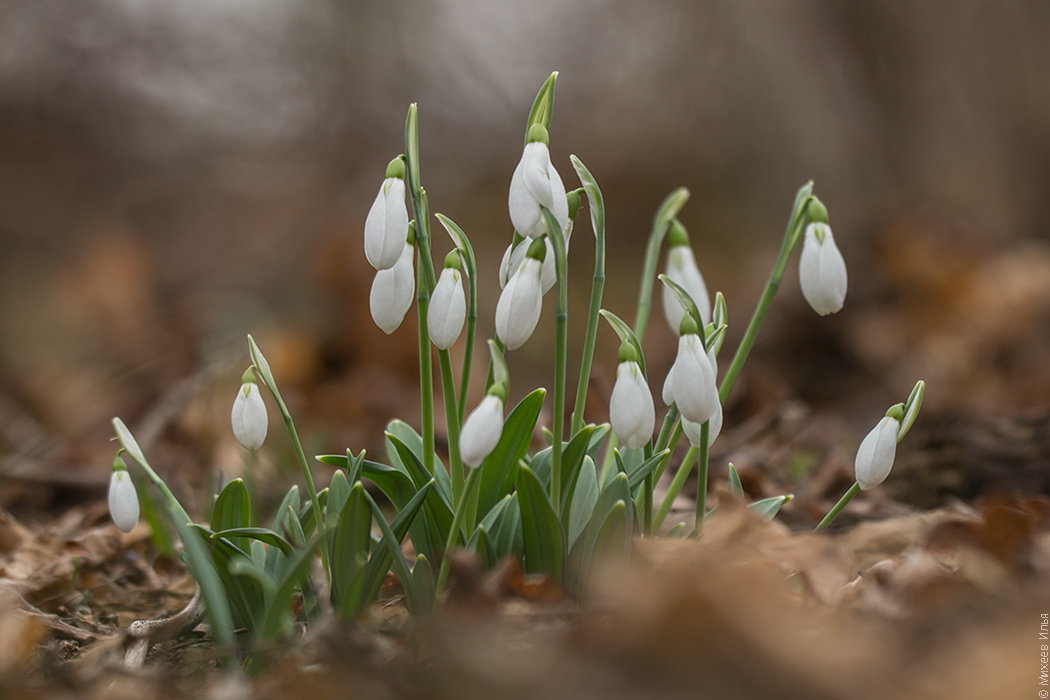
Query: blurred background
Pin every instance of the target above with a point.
(176, 175)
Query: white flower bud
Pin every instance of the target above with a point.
(392, 292)
(693, 379)
(692, 430)
(876, 452)
(519, 305)
(821, 270)
(448, 309)
(631, 410)
(682, 269)
(386, 226)
(536, 182)
(515, 255)
(248, 416)
(481, 431)
(123, 500)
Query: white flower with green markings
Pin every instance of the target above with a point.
(248, 417)
(482, 429)
(877, 451)
(448, 305)
(821, 268)
(683, 270)
(520, 303)
(123, 498)
(691, 383)
(631, 410)
(536, 183)
(386, 225)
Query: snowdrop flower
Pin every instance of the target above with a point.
(682, 270)
(123, 499)
(448, 305)
(387, 223)
(631, 410)
(248, 416)
(692, 430)
(520, 303)
(821, 269)
(536, 182)
(514, 256)
(392, 292)
(692, 379)
(876, 452)
(483, 427)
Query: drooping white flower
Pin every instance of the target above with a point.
(248, 417)
(123, 498)
(386, 225)
(481, 431)
(519, 305)
(682, 270)
(392, 292)
(876, 453)
(693, 380)
(821, 270)
(536, 182)
(631, 410)
(448, 309)
(692, 430)
(515, 255)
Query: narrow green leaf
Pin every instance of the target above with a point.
(399, 564)
(498, 471)
(349, 546)
(338, 492)
(626, 335)
(437, 513)
(735, 487)
(379, 564)
(485, 547)
(414, 442)
(298, 569)
(423, 580)
(543, 535)
(291, 500)
(686, 301)
(203, 569)
(233, 509)
(670, 207)
(768, 508)
(259, 534)
(127, 440)
(594, 196)
(583, 499)
(263, 367)
(613, 543)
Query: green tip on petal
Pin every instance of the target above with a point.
(688, 326)
(538, 132)
(119, 464)
(396, 168)
(411, 237)
(896, 412)
(452, 261)
(538, 249)
(677, 235)
(627, 353)
(817, 212)
(574, 202)
(248, 377)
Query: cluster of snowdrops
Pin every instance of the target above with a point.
(580, 499)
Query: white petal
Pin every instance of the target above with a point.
(123, 501)
(631, 410)
(668, 390)
(392, 292)
(524, 209)
(519, 306)
(822, 271)
(481, 431)
(692, 430)
(448, 309)
(682, 270)
(694, 383)
(386, 226)
(876, 453)
(248, 417)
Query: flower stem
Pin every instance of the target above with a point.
(676, 487)
(448, 391)
(791, 239)
(596, 202)
(668, 209)
(454, 532)
(701, 479)
(843, 502)
(561, 350)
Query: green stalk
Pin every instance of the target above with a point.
(666, 213)
(468, 351)
(131, 446)
(454, 531)
(561, 350)
(448, 391)
(597, 208)
(791, 238)
(701, 479)
(843, 502)
(676, 487)
(668, 443)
